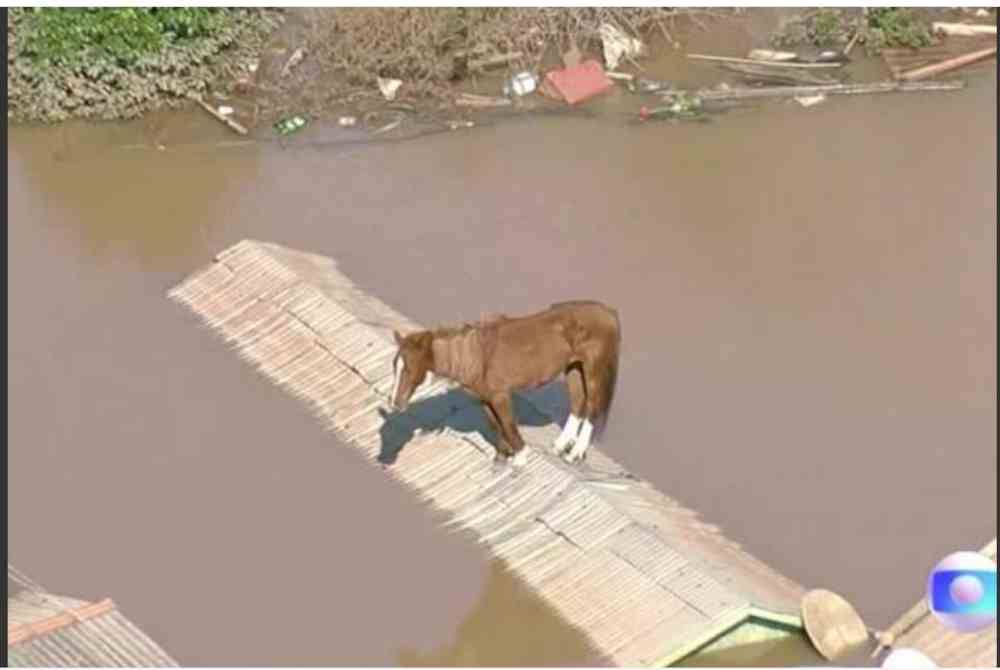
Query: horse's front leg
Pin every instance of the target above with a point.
(504, 406)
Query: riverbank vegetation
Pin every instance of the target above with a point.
(115, 63)
(876, 28)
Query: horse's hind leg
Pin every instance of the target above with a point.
(503, 448)
(504, 407)
(577, 402)
(592, 382)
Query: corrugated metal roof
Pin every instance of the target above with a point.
(641, 575)
(919, 629)
(44, 630)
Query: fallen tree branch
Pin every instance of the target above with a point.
(494, 61)
(774, 64)
(224, 119)
(778, 76)
(828, 89)
(473, 100)
(946, 66)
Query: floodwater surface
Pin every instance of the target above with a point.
(808, 300)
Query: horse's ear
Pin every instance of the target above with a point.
(397, 336)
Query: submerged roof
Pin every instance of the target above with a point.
(643, 577)
(919, 629)
(44, 630)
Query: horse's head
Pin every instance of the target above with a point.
(413, 361)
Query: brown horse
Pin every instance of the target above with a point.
(496, 357)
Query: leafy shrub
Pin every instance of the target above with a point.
(63, 36)
(895, 27)
(119, 63)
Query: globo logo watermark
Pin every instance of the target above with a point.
(962, 591)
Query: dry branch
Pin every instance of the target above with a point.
(829, 89)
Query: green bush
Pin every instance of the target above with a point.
(61, 36)
(121, 63)
(895, 27)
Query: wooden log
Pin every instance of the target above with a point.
(775, 76)
(494, 61)
(947, 66)
(473, 100)
(774, 64)
(962, 29)
(221, 117)
(769, 56)
(827, 89)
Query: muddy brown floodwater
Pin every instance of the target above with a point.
(808, 300)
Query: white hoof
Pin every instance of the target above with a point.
(579, 450)
(560, 448)
(568, 435)
(520, 459)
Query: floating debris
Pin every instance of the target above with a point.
(371, 117)
(389, 87)
(928, 71)
(652, 86)
(580, 83)
(473, 100)
(495, 61)
(290, 125)
(768, 55)
(775, 64)
(828, 89)
(293, 60)
(765, 72)
(962, 29)
(520, 84)
(682, 106)
(810, 100)
(233, 125)
(618, 45)
(621, 76)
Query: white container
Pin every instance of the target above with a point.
(521, 83)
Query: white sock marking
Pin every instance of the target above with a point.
(520, 458)
(568, 433)
(582, 442)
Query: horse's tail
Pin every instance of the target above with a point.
(609, 372)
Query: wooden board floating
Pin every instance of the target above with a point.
(602, 556)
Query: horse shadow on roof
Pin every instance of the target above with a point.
(461, 412)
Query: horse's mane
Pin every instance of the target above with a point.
(468, 347)
(486, 322)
